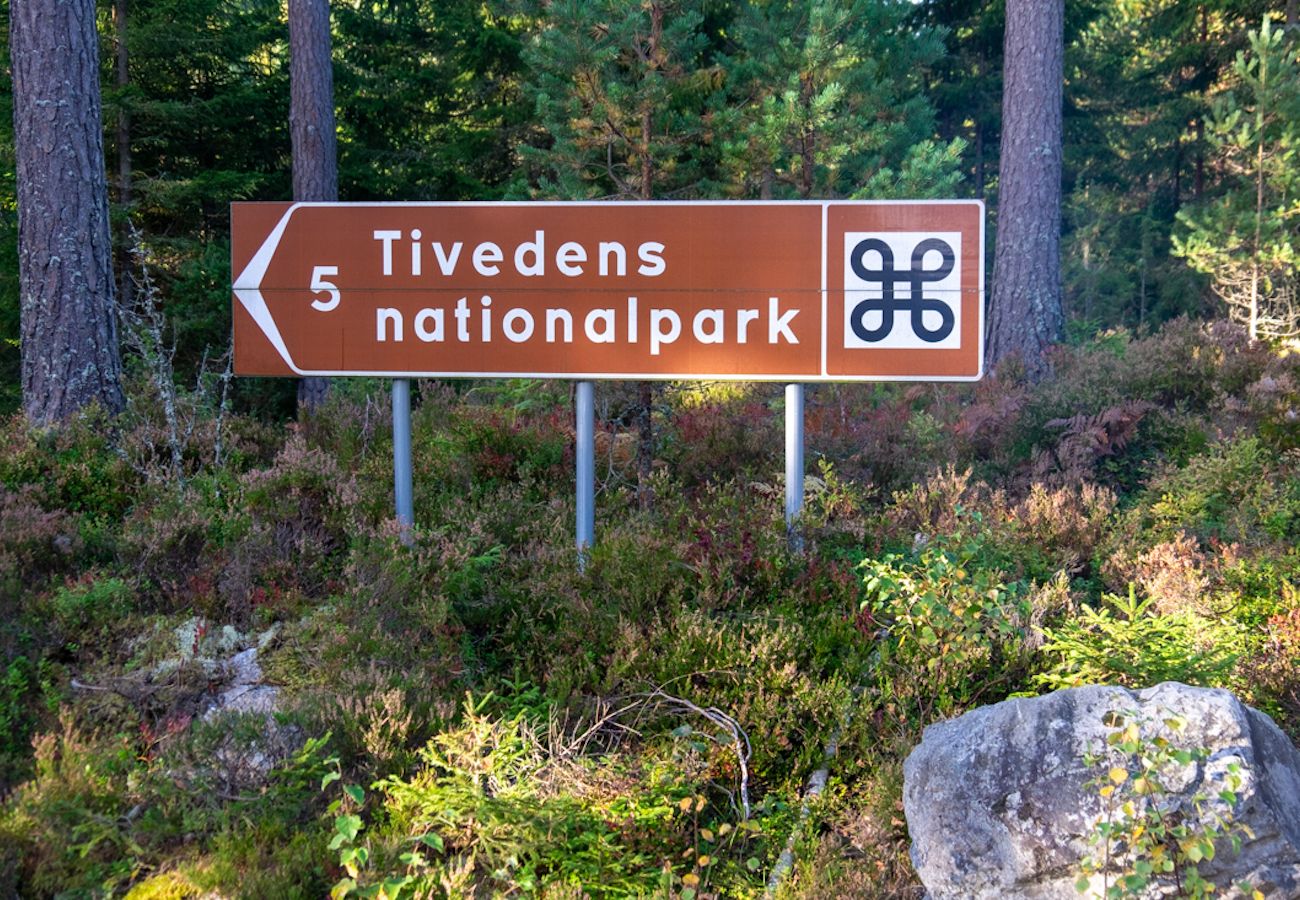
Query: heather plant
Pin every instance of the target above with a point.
(300, 513)
(1065, 524)
(175, 543)
(1271, 405)
(35, 543)
(720, 441)
(1175, 574)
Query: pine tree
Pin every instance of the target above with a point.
(428, 100)
(827, 101)
(70, 355)
(1139, 79)
(1248, 241)
(1026, 316)
(625, 93)
(311, 129)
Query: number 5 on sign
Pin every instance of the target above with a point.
(320, 286)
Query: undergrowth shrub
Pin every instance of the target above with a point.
(948, 632)
(502, 446)
(495, 806)
(1176, 574)
(175, 544)
(1065, 525)
(34, 543)
(484, 790)
(786, 679)
(1238, 492)
(1165, 810)
(68, 822)
(1272, 669)
(1127, 642)
(1271, 406)
(715, 441)
(1115, 403)
(1048, 531)
(879, 435)
(301, 512)
(88, 608)
(735, 544)
(73, 468)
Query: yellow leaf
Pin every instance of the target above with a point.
(704, 861)
(690, 880)
(685, 804)
(1117, 775)
(1107, 790)
(706, 834)
(724, 829)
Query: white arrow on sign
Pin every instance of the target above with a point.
(248, 288)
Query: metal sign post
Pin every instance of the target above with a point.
(402, 485)
(793, 463)
(585, 451)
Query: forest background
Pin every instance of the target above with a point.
(501, 721)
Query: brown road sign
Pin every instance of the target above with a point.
(805, 291)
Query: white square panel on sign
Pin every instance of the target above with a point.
(902, 290)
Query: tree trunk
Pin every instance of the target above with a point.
(125, 283)
(69, 333)
(311, 128)
(645, 451)
(807, 140)
(1026, 303)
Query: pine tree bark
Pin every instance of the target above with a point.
(645, 451)
(1026, 314)
(311, 128)
(125, 284)
(70, 354)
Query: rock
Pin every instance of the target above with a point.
(244, 691)
(1001, 803)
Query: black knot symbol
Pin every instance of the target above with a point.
(915, 278)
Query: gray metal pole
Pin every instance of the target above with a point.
(793, 462)
(402, 487)
(584, 401)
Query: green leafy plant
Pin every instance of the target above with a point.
(948, 632)
(1125, 641)
(1146, 835)
(90, 605)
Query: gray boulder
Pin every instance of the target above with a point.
(1001, 803)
